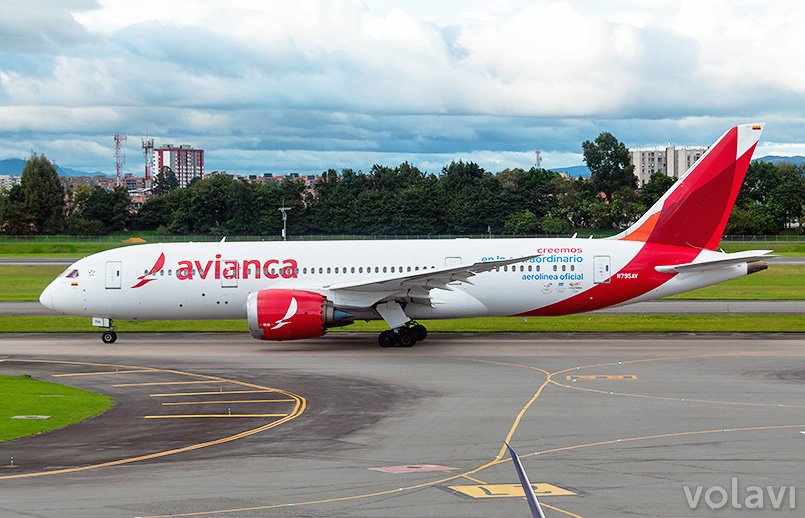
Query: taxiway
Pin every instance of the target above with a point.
(222, 425)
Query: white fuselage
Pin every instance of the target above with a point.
(213, 280)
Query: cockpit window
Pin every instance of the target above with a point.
(70, 273)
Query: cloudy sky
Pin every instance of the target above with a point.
(306, 85)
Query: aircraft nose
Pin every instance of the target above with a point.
(46, 298)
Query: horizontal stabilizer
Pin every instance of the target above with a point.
(711, 264)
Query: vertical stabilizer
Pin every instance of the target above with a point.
(694, 212)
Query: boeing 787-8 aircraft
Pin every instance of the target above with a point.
(295, 290)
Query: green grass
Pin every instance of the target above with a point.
(70, 246)
(572, 323)
(23, 395)
(26, 282)
(779, 282)
(54, 249)
(783, 249)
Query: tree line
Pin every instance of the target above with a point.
(462, 199)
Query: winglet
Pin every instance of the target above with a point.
(530, 496)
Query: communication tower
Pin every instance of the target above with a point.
(120, 158)
(538, 160)
(148, 152)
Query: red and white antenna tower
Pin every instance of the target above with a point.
(120, 158)
(148, 152)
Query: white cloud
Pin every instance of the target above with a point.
(421, 81)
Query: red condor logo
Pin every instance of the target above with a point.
(226, 269)
(150, 276)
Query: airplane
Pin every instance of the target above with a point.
(297, 290)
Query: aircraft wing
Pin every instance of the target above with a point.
(727, 260)
(528, 490)
(426, 279)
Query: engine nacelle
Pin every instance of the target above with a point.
(281, 314)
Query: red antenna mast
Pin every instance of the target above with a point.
(120, 158)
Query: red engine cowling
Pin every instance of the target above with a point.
(281, 314)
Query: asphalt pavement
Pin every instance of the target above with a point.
(606, 425)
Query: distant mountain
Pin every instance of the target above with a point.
(796, 160)
(576, 170)
(14, 167)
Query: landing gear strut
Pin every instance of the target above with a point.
(403, 336)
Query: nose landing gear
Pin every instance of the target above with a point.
(109, 336)
(403, 336)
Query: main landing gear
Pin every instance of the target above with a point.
(109, 336)
(403, 336)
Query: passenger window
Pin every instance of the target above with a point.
(392, 269)
(169, 273)
(564, 267)
(377, 270)
(554, 267)
(572, 267)
(506, 268)
(328, 269)
(352, 270)
(529, 267)
(416, 268)
(537, 267)
(384, 269)
(336, 270)
(409, 269)
(360, 269)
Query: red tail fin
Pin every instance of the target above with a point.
(695, 210)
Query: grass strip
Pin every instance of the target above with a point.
(26, 396)
(572, 323)
(779, 282)
(26, 282)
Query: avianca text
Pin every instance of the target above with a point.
(233, 269)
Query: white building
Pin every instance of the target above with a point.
(671, 160)
(7, 181)
(185, 162)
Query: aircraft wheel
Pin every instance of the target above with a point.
(406, 338)
(387, 339)
(420, 332)
(109, 337)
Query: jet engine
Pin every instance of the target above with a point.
(282, 314)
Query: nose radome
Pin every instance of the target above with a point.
(46, 298)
